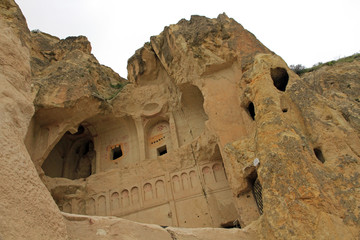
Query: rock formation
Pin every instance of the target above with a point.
(211, 129)
(27, 210)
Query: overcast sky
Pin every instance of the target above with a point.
(305, 32)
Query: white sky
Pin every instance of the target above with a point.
(305, 32)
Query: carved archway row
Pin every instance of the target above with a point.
(153, 192)
(120, 202)
(189, 182)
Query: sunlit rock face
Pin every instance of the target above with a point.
(211, 129)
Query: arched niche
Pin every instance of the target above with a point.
(135, 198)
(72, 157)
(191, 118)
(114, 202)
(158, 138)
(118, 143)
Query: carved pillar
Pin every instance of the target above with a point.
(97, 145)
(173, 131)
(141, 137)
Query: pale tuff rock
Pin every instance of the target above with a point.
(27, 210)
(211, 130)
(92, 227)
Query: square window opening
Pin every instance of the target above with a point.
(116, 153)
(161, 150)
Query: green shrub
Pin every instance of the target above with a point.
(299, 69)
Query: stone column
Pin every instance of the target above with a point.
(173, 131)
(141, 137)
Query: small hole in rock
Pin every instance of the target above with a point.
(284, 110)
(251, 110)
(280, 78)
(319, 155)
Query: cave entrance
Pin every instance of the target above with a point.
(280, 78)
(251, 110)
(72, 157)
(319, 155)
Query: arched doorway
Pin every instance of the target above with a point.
(72, 157)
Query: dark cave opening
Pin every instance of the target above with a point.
(251, 110)
(319, 155)
(280, 78)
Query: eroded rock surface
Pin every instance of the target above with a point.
(94, 227)
(58, 64)
(308, 152)
(212, 129)
(66, 78)
(27, 210)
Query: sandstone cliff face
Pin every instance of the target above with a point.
(302, 133)
(27, 210)
(57, 64)
(196, 48)
(204, 96)
(308, 152)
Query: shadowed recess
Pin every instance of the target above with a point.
(251, 110)
(319, 155)
(280, 78)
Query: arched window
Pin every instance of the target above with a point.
(159, 139)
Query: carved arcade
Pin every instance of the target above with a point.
(198, 182)
(196, 196)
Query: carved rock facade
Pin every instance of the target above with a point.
(211, 129)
